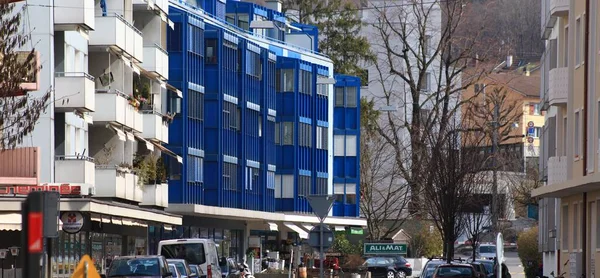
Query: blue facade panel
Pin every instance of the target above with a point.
(346, 163)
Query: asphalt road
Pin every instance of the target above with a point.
(514, 265)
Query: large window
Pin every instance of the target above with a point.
(346, 97)
(252, 175)
(288, 133)
(321, 186)
(425, 82)
(351, 145)
(323, 89)
(253, 64)
(230, 176)
(305, 81)
(339, 97)
(270, 180)
(195, 169)
(303, 186)
(277, 133)
(231, 116)
(286, 80)
(211, 51)
(195, 39)
(322, 136)
(305, 135)
(351, 98)
(195, 104)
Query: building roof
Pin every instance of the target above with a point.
(519, 82)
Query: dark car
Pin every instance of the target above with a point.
(455, 270)
(430, 267)
(489, 267)
(388, 267)
(480, 268)
(147, 266)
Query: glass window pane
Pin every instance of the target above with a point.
(339, 96)
(288, 133)
(351, 97)
(350, 145)
(339, 143)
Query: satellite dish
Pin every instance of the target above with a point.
(499, 254)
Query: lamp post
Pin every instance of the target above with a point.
(14, 251)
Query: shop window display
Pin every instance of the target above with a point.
(67, 250)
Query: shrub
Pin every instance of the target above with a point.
(529, 254)
(426, 243)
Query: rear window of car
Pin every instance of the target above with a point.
(378, 261)
(454, 271)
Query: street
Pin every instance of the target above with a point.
(514, 265)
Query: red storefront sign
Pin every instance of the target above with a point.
(62, 189)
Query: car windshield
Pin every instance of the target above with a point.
(454, 271)
(487, 249)
(193, 253)
(134, 267)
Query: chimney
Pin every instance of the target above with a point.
(273, 5)
(509, 61)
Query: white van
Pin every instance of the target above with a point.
(196, 251)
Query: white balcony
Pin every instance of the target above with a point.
(113, 182)
(114, 30)
(156, 195)
(74, 91)
(558, 86)
(113, 106)
(156, 60)
(559, 7)
(155, 128)
(75, 169)
(70, 15)
(557, 169)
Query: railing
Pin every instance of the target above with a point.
(74, 157)
(121, 18)
(20, 166)
(74, 74)
(157, 46)
(112, 91)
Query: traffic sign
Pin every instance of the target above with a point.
(385, 249)
(86, 269)
(530, 131)
(530, 124)
(321, 205)
(35, 242)
(529, 139)
(314, 239)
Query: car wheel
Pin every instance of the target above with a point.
(400, 274)
(391, 274)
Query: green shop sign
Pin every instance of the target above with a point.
(384, 249)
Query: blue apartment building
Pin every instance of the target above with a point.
(254, 128)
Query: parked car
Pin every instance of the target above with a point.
(430, 267)
(489, 267)
(480, 268)
(147, 266)
(455, 270)
(174, 271)
(486, 251)
(388, 267)
(183, 267)
(196, 251)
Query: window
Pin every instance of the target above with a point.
(259, 126)
(243, 21)
(195, 39)
(305, 135)
(252, 175)
(288, 133)
(230, 18)
(351, 199)
(195, 104)
(270, 180)
(195, 169)
(338, 145)
(211, 51)
(424, 85)
(231, 116)
(277, 134)
(575, 227)
(303, 186)
(229, 176)
(253, 64)
(537, 132)
(565, 227)
(174, 37)
(287, 80)
(322, 137)
(305, 83)
(351, 98)
(339, 96)
(564, 138)
(427, 45)
(321, 186)
(534, 109)
(578, 43)
(350, 145)
(323, 89)
(566, 47)
(577, 144)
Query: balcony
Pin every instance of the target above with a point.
(75, 169)
(116, 109)
(559, 7)
(558, 86)
(117, 182)
(155, 128)
(557, 169)
(114, 30)
(156, 61)
(156, 195)
(20, 166)
(74, 91)
(70, 15)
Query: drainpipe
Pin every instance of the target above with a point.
(586, 72)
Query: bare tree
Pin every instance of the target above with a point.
(385, 195)
(475, 226)
(19, 111)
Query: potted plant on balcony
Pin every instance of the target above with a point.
(161, 171)
(168, 118)
(141, 92)
(124, 167)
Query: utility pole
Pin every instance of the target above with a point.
(495, 201)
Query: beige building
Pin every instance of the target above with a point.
(569, 206)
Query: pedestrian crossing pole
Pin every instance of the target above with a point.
(39, 214)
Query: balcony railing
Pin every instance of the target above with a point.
(116, 109)
(74, 91)
(20, 166)
(75, 169)
(557, 169)
(154, 127)
(156, 195)
(70, 15)
(114, 182)
(114, 30)
(156, 60)
(558, 86)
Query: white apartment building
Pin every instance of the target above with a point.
(107, 67)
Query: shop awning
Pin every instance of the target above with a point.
(273, 226)
(10, 222)
(168, 152)
(303, 234)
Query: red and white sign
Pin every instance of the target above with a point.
(530, 140)
(62, 189)
(34, 236)
(530, 124)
